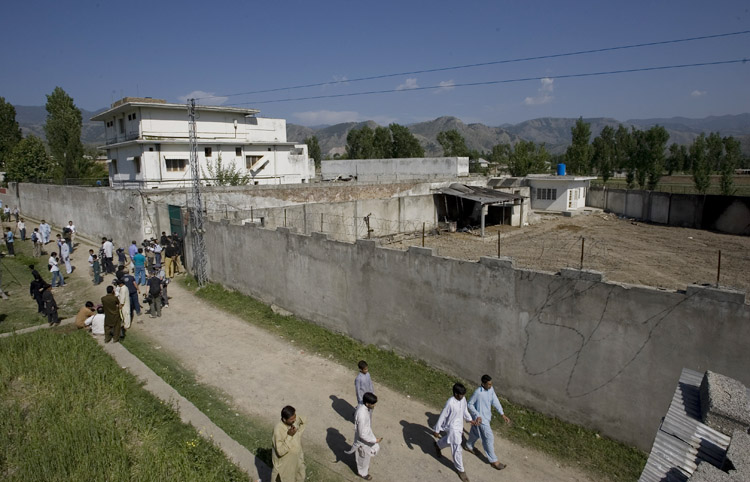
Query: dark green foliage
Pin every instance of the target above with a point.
(453, 144)
(223, 175)
(382, 143)
(313, 150)
(404, 143)
(360, 143)
(732, 155)
(624, 147)
(63, 131)
(677, 160)
(579, 153)
(701, 167)
(10, 132)
(655, 144)
(604, 153)
(29, 162)
(528, 158)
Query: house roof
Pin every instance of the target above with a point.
(547, 177)
(479, 194)
(129, 103)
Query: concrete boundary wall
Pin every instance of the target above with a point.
(727, 214)
(600, 354)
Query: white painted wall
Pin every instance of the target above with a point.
(571, 194)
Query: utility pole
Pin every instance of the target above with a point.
(195, 205)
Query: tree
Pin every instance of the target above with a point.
(604, 153)
(623, 153)
(733, 153)
(714, 151)
(579, 153)
(453, 143)
(313, 150)
(10, 132)
(28, 162)
(404, 143)
(676, 160)
(699, 161)
(63, 131)
(527, 158)
(222, 175)
(359, 143)
(382, 145)
(656, 142)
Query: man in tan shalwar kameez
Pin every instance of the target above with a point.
(124, 297)
(287, 456)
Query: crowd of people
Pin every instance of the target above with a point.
(288, 458)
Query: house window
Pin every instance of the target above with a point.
(238, 151)
(137, 164)
(207, 151)
(133, 115)
(251, 160)
(175, 164)
(122, 125)
(546, 194)
(114, 166)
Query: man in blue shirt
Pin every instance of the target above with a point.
(139, 261)
(480, 408)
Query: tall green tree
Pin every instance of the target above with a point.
(382, 144)
(733, 153)
(676, 159)
(701, 167)
(10, 132)
(63, 131)
(404, 143)
(453, 143)
(313, 149)
(714, 151)
(29, 162)
(528, 158)
(359, 143)
(579, 153)
(656, 139)
(604, 153)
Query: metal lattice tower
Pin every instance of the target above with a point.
(195, 204)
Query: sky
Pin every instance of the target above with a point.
(100, 51)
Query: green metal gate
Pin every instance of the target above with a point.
(175, 220)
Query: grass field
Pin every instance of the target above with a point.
(68, 412)
(569, 443)
(20, 310)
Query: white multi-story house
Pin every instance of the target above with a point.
(147, 145)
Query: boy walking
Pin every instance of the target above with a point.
(97, 269)
(451, 421)
(363, 382)
(366, 445)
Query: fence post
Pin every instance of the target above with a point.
(252, 220)
(284, 217)
(583, 243)
(321, 222)
(498, 244)
(423, 235)
(718, 270)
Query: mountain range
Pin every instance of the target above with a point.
(553, 132)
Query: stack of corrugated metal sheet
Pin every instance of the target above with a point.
(683, 441)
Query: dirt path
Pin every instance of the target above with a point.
(263, 372)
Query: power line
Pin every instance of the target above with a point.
(483, 64)
(504, 81)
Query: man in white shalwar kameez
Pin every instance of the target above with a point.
(451, 421)
(65, 255)
(123, 295)
(366, 445)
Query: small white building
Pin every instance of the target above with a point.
(558, 193)
(147, 143)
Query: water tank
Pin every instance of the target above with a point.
(561, 169)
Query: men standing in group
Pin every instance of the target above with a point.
(154, 292)
(45, 230)
(108, 250)
(169, 255)
(65, 256)
(50, 306)
(72, 228)
(68, 237)
(9, 242)
(287, 457)
(366, 445)
(55, 270)
(21, 229)
(123, 296)
(36, 288)
(132, 250)
(36, 239)
(112, 321)
(480, 406)
(451, 421)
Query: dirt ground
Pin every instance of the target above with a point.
(261, 373)
(624, 250)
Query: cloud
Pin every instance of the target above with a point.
(205, 98)
(318, 117)
(544, 93)
(698, 93)
(411, 83)
(445, 86)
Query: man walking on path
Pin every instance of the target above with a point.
(480, 406)
(55, 269)
(287, 457)
(50, 306)
(21, 229)
(129, 282)
(9, 242)
(108, 249)
(154, 292)
(36, 239)
(139, 263)
(451, 421)
(112, 321)
(45, 230)
(366, 445)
